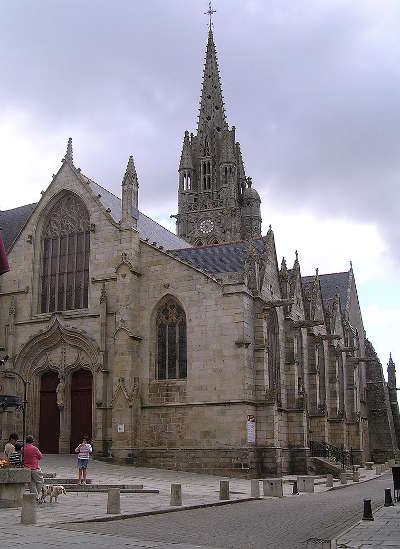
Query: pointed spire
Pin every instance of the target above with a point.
(284, 271)
(296, 264)
(186, 162)
(130, 172)
(69, 157)
(212, 111)
(391, 369)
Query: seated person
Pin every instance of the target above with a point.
(15, 458)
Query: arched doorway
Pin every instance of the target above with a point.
(49, 423)
(81, 407)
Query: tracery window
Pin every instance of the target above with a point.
(65, 256)
(171, 341)
(273, 351)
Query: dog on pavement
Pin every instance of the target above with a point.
(52, 491)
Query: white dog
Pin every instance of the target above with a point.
(56, 491)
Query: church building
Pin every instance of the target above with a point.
(197, 351)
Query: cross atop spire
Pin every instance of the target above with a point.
(210, 13)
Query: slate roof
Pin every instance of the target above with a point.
(219, 258)
(13, 220)
(331, 284)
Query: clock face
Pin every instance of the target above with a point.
(206, 226)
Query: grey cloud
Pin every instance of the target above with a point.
(311, 86)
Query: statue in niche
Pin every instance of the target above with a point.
(61, 392)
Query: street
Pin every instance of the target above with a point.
(280, 523)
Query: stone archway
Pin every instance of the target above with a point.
(57, 353)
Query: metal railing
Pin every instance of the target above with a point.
(333, 453)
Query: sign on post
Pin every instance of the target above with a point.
(251, 429)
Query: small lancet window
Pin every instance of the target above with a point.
(171, 341)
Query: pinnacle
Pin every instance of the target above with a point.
(69, 154)
(130, 170)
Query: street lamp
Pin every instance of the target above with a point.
(8, 401)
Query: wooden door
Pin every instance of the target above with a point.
(81, 407)
(49, 422)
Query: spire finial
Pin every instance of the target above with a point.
(69, 155)
(296, 253)
(210, 14)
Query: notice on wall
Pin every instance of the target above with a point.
(121, 428)
(251, 429)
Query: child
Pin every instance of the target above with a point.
(14, 459)
(10, 446)
(83, 451)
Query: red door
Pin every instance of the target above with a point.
(81, 407)
(49, 423)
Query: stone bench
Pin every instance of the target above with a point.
(12, 486)
(273, 487)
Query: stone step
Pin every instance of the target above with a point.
(97, 488)
(64, 481)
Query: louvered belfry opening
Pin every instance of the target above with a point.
(65, 256)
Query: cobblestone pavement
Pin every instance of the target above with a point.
(384, 531)
(269, 523)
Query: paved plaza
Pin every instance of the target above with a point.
(250, 524)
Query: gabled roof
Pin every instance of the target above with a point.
(331, 284)
(219, 258)
(13, 220)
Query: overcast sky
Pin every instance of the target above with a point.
(311, 85)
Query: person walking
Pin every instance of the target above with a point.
(10, 446)
(83, 450)
(32, 455)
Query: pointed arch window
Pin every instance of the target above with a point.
(206, 174)
(65, 256)
(171, 341)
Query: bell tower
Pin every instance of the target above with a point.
(216, 201)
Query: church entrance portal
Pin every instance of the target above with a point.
(49, 423)
(81, 407)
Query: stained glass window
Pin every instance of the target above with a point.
(171, 342)
(65, 256)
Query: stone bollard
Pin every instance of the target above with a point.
(28, 512)
(329, 481)
(305, 484)
(356, 476)
(255, 488)
(378, 469)
(114, 502)
(388, 498)
(176, 495)
(224, 489)
(343, 478)
(295, 491)
(369, 465)
(273, 487)
(367, 510)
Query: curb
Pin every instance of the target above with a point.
(356, 483)
(109, 518)
(349, 528)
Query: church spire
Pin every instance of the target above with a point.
(212, 111)
(130, 185)
(69, 154)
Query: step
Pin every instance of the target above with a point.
(95, 489)
(102, 486)
(65, 481)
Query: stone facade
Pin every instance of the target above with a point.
(207, 358)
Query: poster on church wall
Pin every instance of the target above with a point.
(251, 429)
(121, 428)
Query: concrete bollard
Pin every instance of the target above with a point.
(306, 484)
(329, 481)
(273, 487)
(114, 502)
(369, 465)
(343, 478)
(367, 510)
(224, 489)
(255, 488)
(356, 476)
(378, 469)
(176, 495)
(28, 511)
